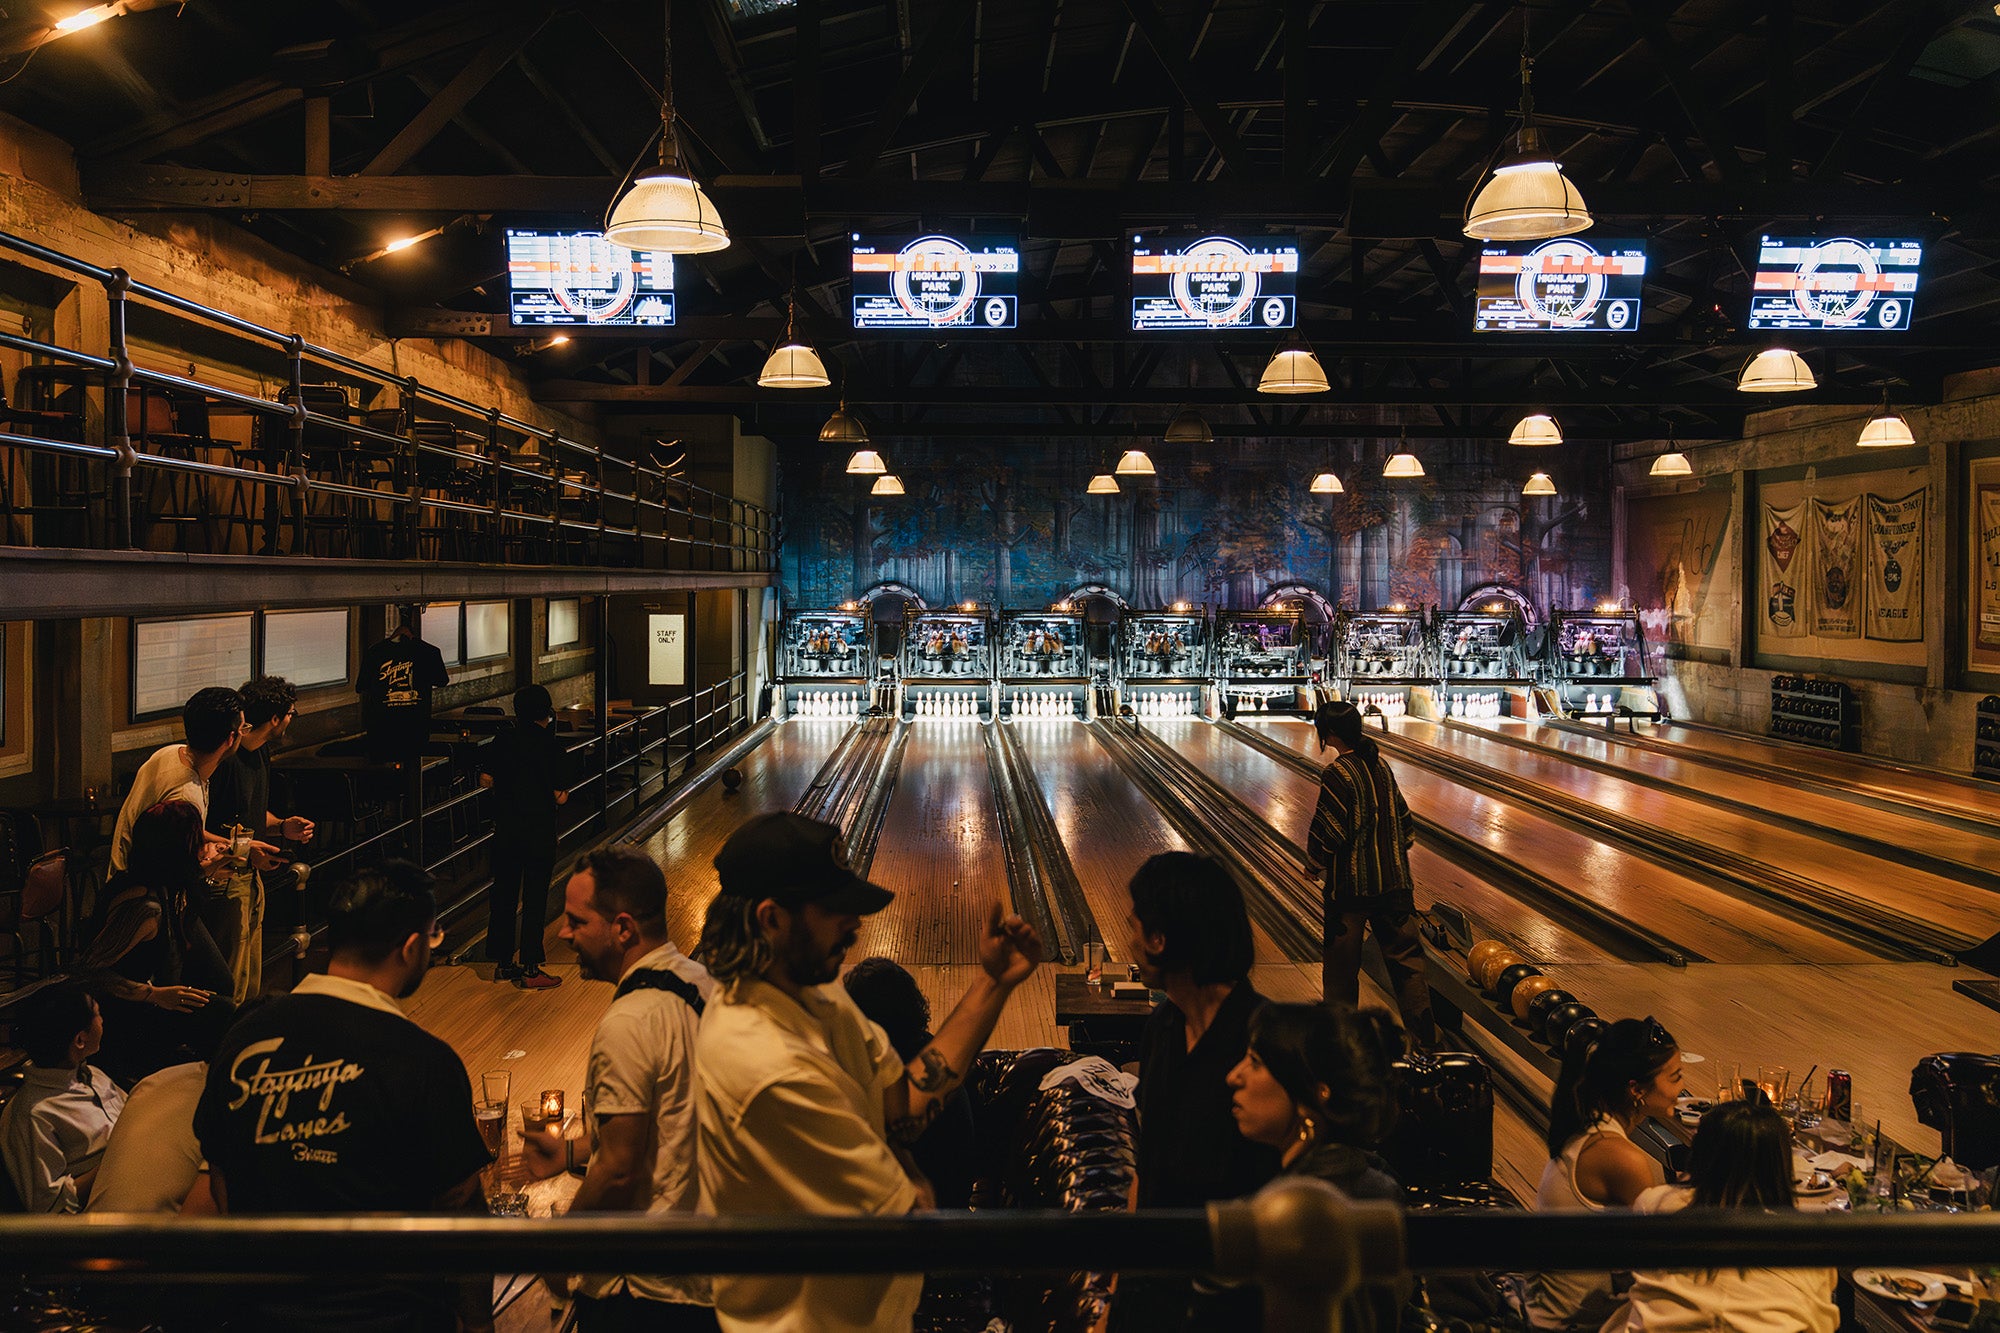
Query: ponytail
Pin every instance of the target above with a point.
(1336, 720)
(1596, 1077)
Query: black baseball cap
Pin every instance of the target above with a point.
(795, 860)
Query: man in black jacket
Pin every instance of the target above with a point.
(526, 771)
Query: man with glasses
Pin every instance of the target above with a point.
(240, 797)
(329, 1100)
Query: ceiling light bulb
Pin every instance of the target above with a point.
(865, 463)
(1886, 430)
(889, 484)
(1527, 199)
(1293, 369)
(1403, 465)
(1326, 484)
(1134, 463)
(1102, 484)
(793, 365)
(1776, 370)
(1671, 465)
(1539, 484)
(1536, 430)
(666, 209)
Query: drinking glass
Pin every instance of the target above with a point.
(491, 1117)
(532, 1118)
(1774, 1081)
(496, 1085)
(1728, 1082)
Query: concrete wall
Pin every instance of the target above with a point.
(1924, 717)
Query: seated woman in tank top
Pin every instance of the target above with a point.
(1742, 1158)
(1606, 1088)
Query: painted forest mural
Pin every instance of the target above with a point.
(1219, 525)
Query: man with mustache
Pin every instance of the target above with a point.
(803, 1103)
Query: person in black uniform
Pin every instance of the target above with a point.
(526, 770)
(397, 678)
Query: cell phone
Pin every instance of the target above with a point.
(1953, 1312)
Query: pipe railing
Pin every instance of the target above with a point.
(1301, 1240)
(745, 529)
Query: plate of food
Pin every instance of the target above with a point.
(1815, 1185)
(1901, 1284)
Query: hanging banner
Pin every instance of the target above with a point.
(1836, 600)
(1896, 567)
(1988, 519)
(1784, 570)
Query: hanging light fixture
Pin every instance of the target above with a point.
(1102, 484)
(1326, 484)
(1539, 484)
(1776, 370)
(1536, 430)
(793, 364)
(1189, 428)
(1672, 463)
(1527, 198)
(1134, 463)
(843, 427)
(887, 484)
(1293, 369)
(1402, 465)
(865, 463)
(1886, 429)
(666, 208)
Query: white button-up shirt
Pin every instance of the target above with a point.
(790, 1105)
(54, 1130)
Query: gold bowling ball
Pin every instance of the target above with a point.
(1476, 956)
(1494, 965)
(1527, 990)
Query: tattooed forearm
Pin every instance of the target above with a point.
(932, 1073)
(907, 1129)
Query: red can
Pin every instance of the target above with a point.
(1839, 1096)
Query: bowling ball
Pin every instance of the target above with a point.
(1491, 966)
(1538, 1006)
(1525, 990)
(731, 780)
(1581, 1033)
(1560, 1019)
(1477, 955)
(1510, 977)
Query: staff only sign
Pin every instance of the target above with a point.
(666, 649)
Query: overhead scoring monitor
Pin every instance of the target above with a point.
(1560, 286)
(935, 282)
(1835, 283)
(573, 278)
(1214, 282)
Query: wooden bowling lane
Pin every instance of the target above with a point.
(1702, 919)
(1286, 798)
(1835, 813)
(1896, 889)
(775, 775)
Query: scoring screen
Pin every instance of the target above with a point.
(579, 278)
(935, 282)
(1835, 283)
(1214, 282)
(1560, 286)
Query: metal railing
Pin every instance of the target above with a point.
(660, 521)
(1301, 1240)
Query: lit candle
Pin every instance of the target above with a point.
(552, 1105)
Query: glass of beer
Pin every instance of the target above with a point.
(491, 1117)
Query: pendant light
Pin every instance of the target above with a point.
(1527, 198)
(887, 484)
(793, 364)
(1134, 463)
(1102, 484)
(1539, 484)
(1886, 429)
(1326, 484)
(1776, 370)
(843, 427)
(865, 463)
(666, 208)
(1189, 428)
(1536, 430)
(1672, 463)
(1293, 369)
(1403, 463)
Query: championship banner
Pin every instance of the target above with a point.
(1836, 610)
(1896, 567)
(1784, 571)
(1988, 517)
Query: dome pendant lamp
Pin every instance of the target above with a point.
(666, 208)
(1189, 428)
(1293, 369)
(843, 427)
(1672, 463)
(1102, 484)
(1776, 370)
(792, 364)
(1403, 463)
(1326, 484)
(865, 463)
(887, 484)
(1537, 430)
(1539, 484)
(1527, 197)
(1886, 429)
(1134, 463)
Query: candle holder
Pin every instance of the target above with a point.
(552, 1105)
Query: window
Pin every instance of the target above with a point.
(442, 628)
(308, 648)
(565, 622)
(171, 659)
(486, 629)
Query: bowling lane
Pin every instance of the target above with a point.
(1961, 848)
(1285, 797)
(1917, 895)
(1697, 916)
(775, 775)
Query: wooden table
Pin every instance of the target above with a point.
(1096, 1016)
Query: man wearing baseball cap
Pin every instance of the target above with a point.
(803, 1104)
